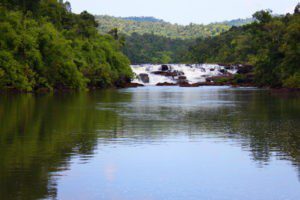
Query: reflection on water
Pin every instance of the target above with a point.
(151, 143)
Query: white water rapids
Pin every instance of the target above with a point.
(194, 73)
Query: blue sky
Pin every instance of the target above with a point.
(183, 11)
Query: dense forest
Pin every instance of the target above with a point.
(43, 45)
(271, 44)
(152, 40)
(151, 48)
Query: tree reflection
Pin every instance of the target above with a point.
(40, 134)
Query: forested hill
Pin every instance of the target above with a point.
(238, 22)
(271, 44)
(149, 25)
(152, 40)
(43, 45)
(234, 22)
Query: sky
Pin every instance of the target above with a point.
(183, 11)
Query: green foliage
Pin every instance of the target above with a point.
(24, 5)
(144, 25)
(150, 48)
(222, 80)
(292, 81)
(263, 16)
(272, 45)
(238, 22)
(50, 47)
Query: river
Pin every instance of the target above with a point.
(151, 142)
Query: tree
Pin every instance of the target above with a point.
(114, 33)
(271, 46)
(297, 9)
(263, 16)
(55, 49)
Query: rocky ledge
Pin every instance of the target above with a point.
(132, 85)
(166, 84)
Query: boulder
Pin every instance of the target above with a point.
(164, 68)
(245, 69)
(229, 67)
(166, 84)
(186, 84)
(206, 84)
(144, 78)
(179, 73)
(182, 79)
(132, 85)
(223, 71)
(165, 73)
(202, 69)
(225, 65)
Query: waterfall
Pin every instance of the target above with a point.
(149, 74)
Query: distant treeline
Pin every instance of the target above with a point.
(149, 25)
(271, 44)
(143, 19)
(44, 45)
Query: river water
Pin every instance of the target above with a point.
(151, 143)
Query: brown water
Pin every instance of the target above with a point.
(151, 143)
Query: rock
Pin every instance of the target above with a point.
(165, 73)
(186, 84)
(212, 69)
(166, 84)
(164, 68)
(132, 85)
(206, 84)
(182, 79)
(223, 71)
(144, 78)
(220, 79)
(224, 65)
(243, 79)
(202, 69)
(209, 79)
(245, 69)
(179, 73)
(169, 73)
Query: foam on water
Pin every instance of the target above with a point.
(194, 73)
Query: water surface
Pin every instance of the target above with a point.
(151, 143)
